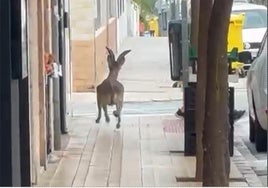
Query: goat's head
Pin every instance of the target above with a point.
(115, 65)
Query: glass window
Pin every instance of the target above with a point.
(264, 42)
(254, 18)
(98, 19)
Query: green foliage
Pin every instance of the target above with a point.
(147, 7)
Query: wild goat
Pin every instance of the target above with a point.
(111, 91)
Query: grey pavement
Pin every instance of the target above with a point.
(136, 155)
(149, 99)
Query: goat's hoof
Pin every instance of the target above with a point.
(118, 125)
(107, 120)
(115, 113)
(97, 120)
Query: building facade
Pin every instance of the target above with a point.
(96, 24)
(32, 99)
(48, 49)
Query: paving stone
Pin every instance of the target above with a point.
(136, 155)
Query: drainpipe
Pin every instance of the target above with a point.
(62, 54)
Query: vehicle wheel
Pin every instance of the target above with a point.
(260, 137)
(251, 129)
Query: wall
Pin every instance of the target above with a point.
(34, 92)
(122, 25)
(82, 42)
(133, 16)
(88, 53)
(39, 43)
(93, 28)
(105, 36)
(83, 65)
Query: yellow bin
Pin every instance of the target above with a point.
(235, 39)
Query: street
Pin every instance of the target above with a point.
(148, 91)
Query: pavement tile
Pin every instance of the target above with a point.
(137, 155)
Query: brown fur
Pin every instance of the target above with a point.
(111, 91)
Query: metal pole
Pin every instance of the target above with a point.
(173, 9)
(160, 19)
(62, 61)
(56, 82)
(185, 44)
(178, 12)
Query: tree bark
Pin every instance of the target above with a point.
(216, 167)
(204, 17)
(195, 23)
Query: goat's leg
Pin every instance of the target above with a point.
(106, 114)
(99, 113)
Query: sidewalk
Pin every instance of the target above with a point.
(148, 149)
(136, 155)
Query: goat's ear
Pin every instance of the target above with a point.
(110, 57)
(121, 57)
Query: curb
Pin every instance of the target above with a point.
(244, 166)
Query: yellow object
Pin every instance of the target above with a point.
(153, 25)
(235, 39)
(237, 65)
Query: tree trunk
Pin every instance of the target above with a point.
(204, 17)
(216, 167)
(195, 23)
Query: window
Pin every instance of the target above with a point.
(264, 42)
(98, 19)
(123, 6)
(120, 7)
(254, 18)
(112, 8)
(104, 11)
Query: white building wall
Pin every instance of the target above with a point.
(133, 19)
(122, 22)
(128, 21)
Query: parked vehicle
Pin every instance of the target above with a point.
(257, 98)
(255, 25)
(241, 1)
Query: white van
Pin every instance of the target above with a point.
(257, 98)
(255, 25)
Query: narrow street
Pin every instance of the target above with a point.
(148, 149)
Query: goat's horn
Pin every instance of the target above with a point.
(122, 55)
(111, 53)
